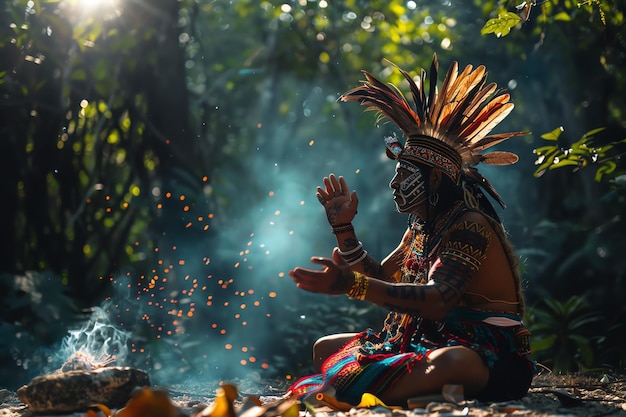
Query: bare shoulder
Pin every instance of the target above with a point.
(478, 218)
(474, 223)
(472, 216)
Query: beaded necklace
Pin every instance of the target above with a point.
(425, 244)
(424, 248)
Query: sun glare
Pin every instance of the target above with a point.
(95, 4)
(103, 9)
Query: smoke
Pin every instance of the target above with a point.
(218, 303)
(98, 340)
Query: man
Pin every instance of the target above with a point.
(452, 285)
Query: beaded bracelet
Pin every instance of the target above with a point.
(362, 255)
(359, 288)
(351, 251)
(354, 256)
(342, 228)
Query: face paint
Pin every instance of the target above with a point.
(409, 187)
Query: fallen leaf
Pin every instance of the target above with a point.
(148, 402)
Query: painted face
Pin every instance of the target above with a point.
(409, 187)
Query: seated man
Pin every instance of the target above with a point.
(452, 285)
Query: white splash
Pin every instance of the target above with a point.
(97, 343)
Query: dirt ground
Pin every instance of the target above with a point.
(551, 395)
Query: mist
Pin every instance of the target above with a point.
(218, 305)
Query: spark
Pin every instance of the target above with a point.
(174, 293)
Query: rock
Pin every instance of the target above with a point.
(76, 390)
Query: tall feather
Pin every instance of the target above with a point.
(436, 104)
(417, 91)
(389, 102)
(456, 118)
(432, 88)
(448, 97)
(487, 120)
(492, 140)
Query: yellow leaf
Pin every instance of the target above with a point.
(230, 391)
(223, 405)
(554, 134)
(397, 9)
(563, 17)
(370, 400)
(101, 407)
(292, 411)
(148, 402)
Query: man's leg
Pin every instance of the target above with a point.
(450, 365)
(327, 345)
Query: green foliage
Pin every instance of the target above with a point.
(546, 12)
(563, 334)
(80, 125)
(579, 154)
(104, 115)
(501, 25)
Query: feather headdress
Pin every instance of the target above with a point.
(448, 128)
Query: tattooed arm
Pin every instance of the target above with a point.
(341, 206)
(464, 248)
(385, 270)
(357, 256)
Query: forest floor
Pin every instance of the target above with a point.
(549, 396)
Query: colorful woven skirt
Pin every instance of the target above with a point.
(372, 362)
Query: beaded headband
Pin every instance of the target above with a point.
(431, 152)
